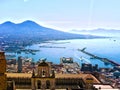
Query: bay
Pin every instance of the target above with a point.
(54, 50)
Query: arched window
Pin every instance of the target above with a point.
(47, 84)
(39, 84)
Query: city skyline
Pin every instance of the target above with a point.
(63, 14)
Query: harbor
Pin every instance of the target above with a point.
(105, 60)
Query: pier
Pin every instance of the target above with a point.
(105, 60)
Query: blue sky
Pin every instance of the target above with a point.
(63, 14)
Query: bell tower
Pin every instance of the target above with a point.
(44, 78)
(3, 80)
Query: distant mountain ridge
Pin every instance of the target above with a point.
(33, 29)
(29, 32)
(99, 31)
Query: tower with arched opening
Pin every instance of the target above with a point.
(44, 78)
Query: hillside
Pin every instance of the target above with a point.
(31, 29)
(29, 32)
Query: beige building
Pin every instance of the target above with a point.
(46, 79)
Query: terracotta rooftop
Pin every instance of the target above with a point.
(26, 75)
(83, 76)
(16, 75)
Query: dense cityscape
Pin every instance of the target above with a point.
(107, 78)
(59, 44)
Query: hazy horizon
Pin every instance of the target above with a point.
(63, 15)
(76, 30)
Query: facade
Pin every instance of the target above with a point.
(62, 81)
(3, 79)
(44, 79)
(89, 68)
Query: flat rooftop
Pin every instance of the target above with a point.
(105, 87)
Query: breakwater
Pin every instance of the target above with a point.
(105, 60)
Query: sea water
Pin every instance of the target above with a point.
(54, 50)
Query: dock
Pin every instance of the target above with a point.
(105, 60)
